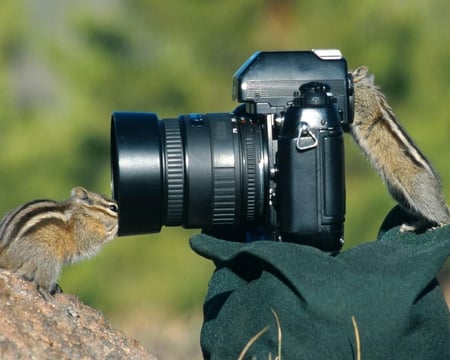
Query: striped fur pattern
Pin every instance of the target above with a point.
(39, 237)
(409, 176)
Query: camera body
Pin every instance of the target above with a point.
(271, 169)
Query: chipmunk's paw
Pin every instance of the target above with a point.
(419, 226)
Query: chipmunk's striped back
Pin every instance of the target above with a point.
(409, 176)
(29, 217)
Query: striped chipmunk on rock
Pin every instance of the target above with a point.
(409, 176)
(39, 237)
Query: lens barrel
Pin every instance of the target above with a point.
(198, 171)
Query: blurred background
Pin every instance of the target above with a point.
(65, 66)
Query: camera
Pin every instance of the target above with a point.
(271, 169)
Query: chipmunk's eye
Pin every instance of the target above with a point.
(113, 207)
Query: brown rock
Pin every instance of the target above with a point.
(33, 328)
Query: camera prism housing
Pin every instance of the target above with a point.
(271, 169)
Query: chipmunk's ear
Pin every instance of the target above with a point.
(362, 74)
(80, 193)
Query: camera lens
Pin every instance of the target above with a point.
(198, 171)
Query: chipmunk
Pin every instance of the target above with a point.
(409, 176)
(39, 237)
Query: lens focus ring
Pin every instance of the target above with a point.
(250, 149)
(224, 202)
(174, 171)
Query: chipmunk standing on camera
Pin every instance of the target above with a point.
(409, 176)
(39, 237)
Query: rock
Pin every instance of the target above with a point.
(33, 328)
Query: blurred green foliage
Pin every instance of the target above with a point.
(65, 66)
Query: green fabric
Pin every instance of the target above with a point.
(388, 286)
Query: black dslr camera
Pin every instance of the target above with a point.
(271, 169)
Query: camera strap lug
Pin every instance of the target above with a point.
(306, 139)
